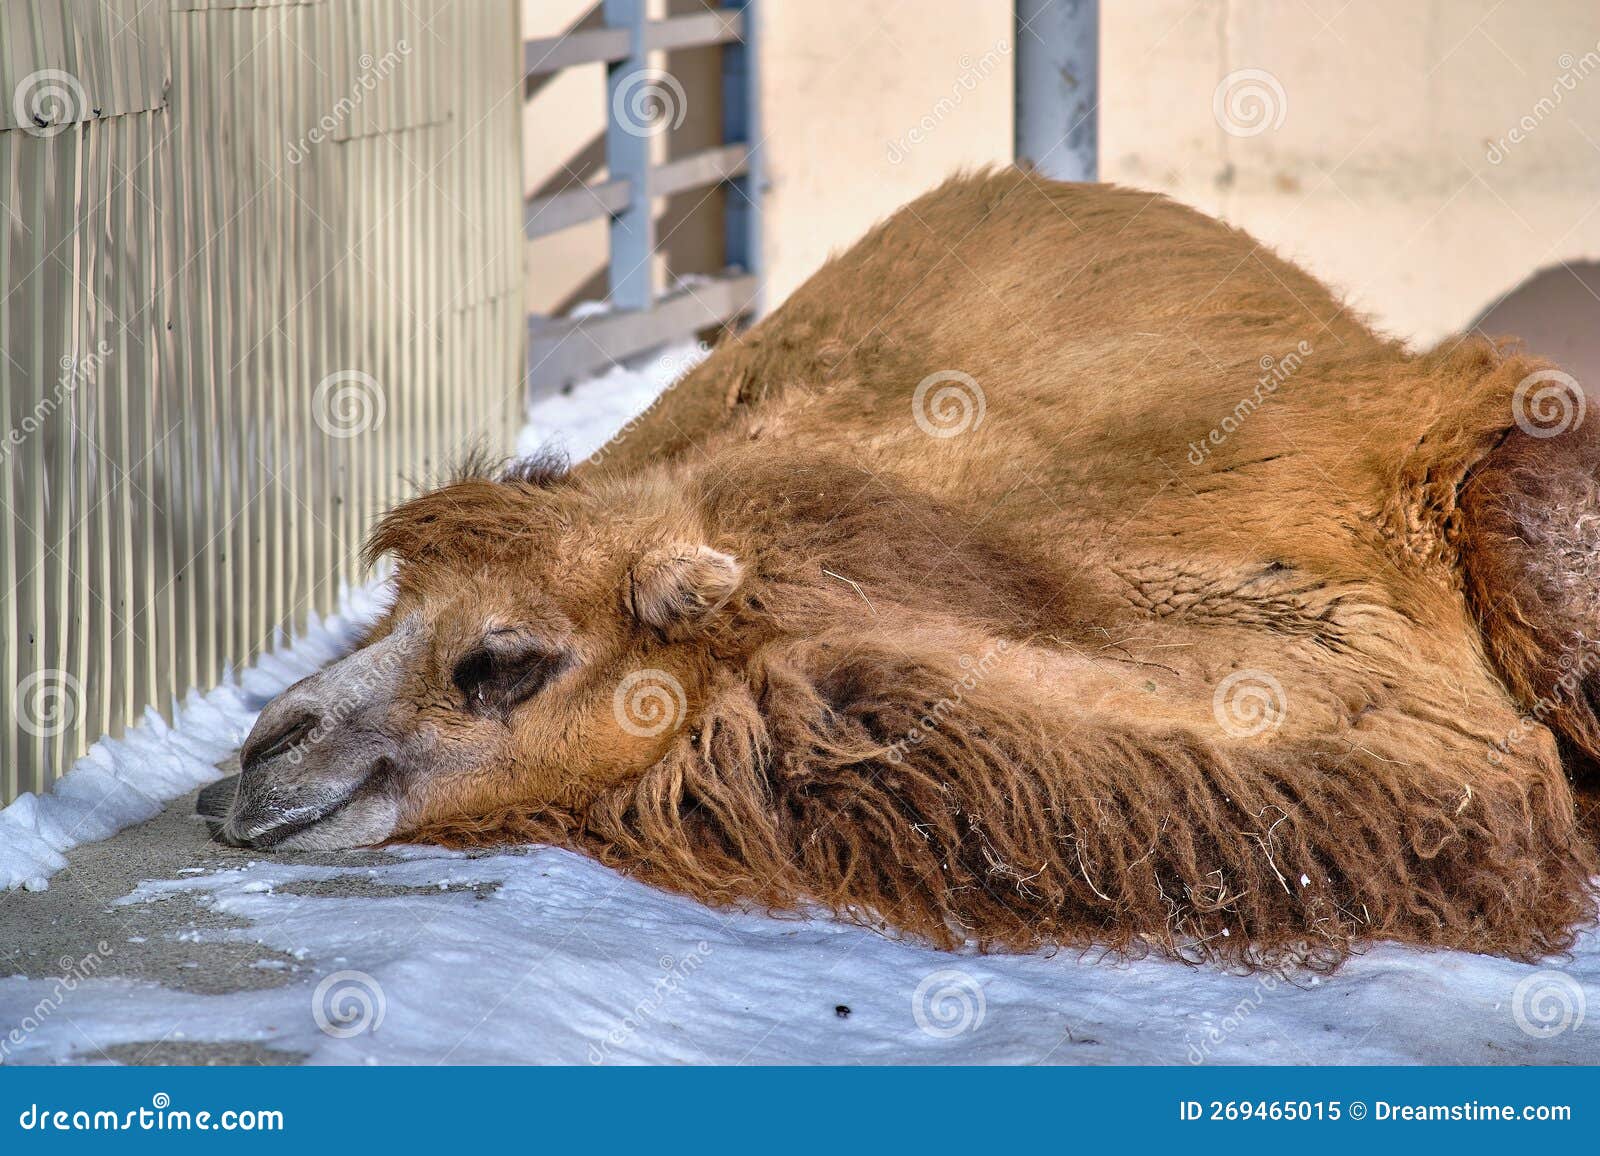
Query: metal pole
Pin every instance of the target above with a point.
(628, 157)
(1058, 87)
(741, 124)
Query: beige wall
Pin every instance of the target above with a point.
(868, 104)
(865, 103)
(1393, 173)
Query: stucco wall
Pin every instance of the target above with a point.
(868, 105)
(1374, 139)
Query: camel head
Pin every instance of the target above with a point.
(541, 646)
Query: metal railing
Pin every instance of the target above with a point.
(641, 314)
(261, 268)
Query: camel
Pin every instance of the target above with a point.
(1058, 567)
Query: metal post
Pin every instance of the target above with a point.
(1058, 87)
(741, 124)
(628, 156)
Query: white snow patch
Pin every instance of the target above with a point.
(587, 417)
(543, 955)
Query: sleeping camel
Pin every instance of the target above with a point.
(1057, 567)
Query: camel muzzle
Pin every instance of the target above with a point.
(318, 770)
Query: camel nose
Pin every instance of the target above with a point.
(278, 732)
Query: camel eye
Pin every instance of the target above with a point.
(499, 679)
(471, 673)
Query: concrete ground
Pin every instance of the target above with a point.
(41, 930)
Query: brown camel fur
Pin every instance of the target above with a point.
(1056, 567)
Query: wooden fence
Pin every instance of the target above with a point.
(261, 272)
(643, 102)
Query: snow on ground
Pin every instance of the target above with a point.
(585, 419)
(545, 956)
(425, 956)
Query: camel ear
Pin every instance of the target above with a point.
(679, 585)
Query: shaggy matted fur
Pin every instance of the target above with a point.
(1171, 639)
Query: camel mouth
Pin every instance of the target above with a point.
(214, 801)
(261, 826)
